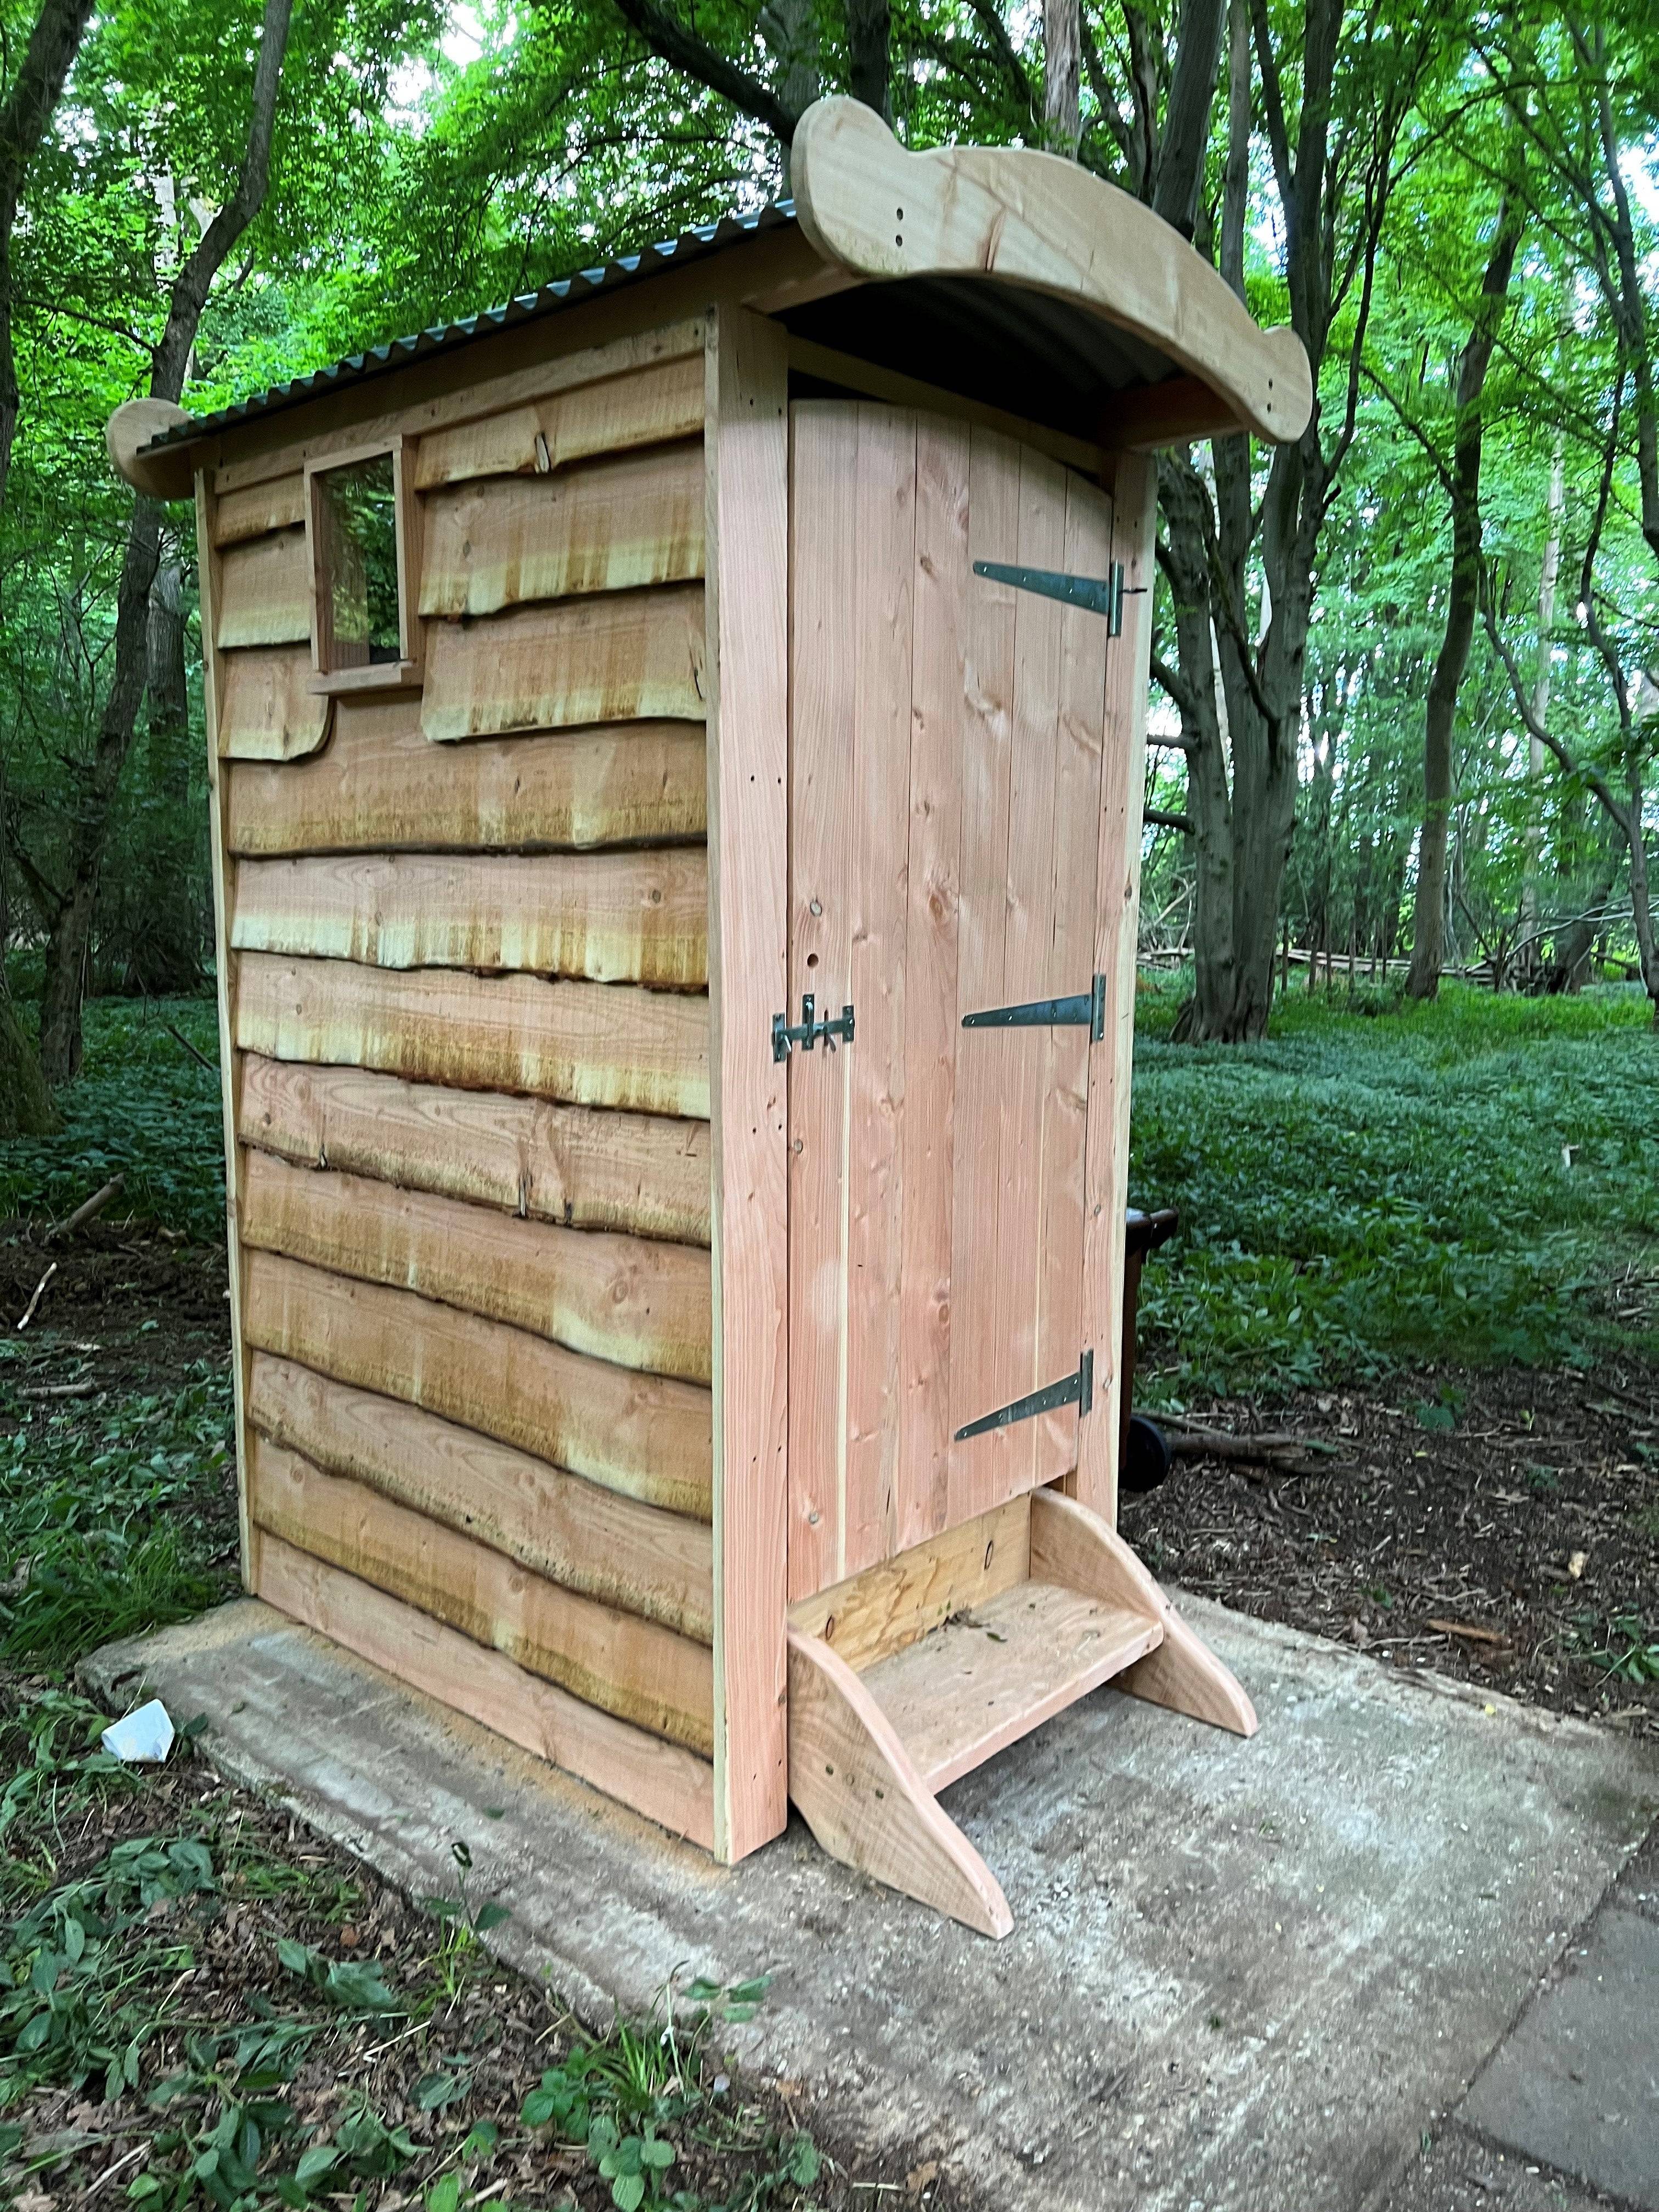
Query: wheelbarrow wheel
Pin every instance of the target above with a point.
(1147, 1460)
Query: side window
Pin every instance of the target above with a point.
(364, 631)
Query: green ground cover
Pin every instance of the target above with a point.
(1475, 1181)
(142, 1107)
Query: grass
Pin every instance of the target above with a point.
(1475, 1181)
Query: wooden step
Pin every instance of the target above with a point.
(991, 1675)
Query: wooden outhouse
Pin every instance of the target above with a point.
(678, 752)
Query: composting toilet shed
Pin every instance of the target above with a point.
(677, 752)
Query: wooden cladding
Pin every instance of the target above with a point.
(278, 504)
(614, 524)
(469, 1082)
(619, 657)
(635, 1558)
(592, 1044)
(635, 1668)
(634, 917)
(646, 1436)
(645, 1173)
(384, 785)
(646, 407)
(267, 708)
(265, 591)
(662, 1780)
(640, 1302)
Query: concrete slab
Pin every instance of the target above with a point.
(1242, 1975)
(1577, 2085)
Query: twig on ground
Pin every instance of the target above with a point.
(39, 1292)
(55, 1389)
(1277, 1450)
(90, 1208)
(200, 1058)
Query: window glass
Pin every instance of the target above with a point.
(357, 516)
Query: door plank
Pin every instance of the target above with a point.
(978, 1469)
(880, 798)
(941, 589)
(824, 523)
(1071, 1059)
(1029, 971)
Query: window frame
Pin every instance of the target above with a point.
(375, 675)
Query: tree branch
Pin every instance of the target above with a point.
(1161, 818)
(687, 50)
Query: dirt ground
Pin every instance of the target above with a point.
(1502, 1527)
(107, 1281)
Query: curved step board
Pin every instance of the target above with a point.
(1074, 1547)
(859, 1791)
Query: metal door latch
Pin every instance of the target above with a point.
(1096, 595)
(1086, 1009)
(812, 1026)
(1076, 1390)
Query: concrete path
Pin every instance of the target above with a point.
(1242, 1975)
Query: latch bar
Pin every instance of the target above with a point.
(812, 1026)
(1095, 595)
(1083, 1009)
(1076, 1390)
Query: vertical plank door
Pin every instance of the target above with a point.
(945, 786)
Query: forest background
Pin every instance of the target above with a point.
(1401, 705)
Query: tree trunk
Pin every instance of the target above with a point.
(869, 54)
(25, 1102)
(1548, 571)
(1463, 598)
(70, 938)
(38, 87)
(1062, 66)
(165, 948)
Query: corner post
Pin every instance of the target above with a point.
(224, 970)
(1131, 479)
(747, 662)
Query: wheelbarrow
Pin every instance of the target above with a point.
(1143, 1456)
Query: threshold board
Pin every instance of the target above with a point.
(990, 1675)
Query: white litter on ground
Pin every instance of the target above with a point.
(143, 1739)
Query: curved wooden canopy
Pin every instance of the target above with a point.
(165, 474)
(1035, 220)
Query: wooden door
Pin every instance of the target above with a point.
(946, 740)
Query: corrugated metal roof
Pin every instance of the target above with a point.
(529, 307)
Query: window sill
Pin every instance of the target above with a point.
(377, 675)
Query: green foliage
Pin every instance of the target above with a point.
(142, 1108)
(1363, 1190)
(624, 2097)
(113, 1524)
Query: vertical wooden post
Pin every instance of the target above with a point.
(747, 446)
(1106, 1157)
(224, 968)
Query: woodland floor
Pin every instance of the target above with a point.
(1488, 1175)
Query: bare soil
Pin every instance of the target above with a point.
(149, 1303)
(1518, 1548)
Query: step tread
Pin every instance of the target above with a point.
(992, 1673)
